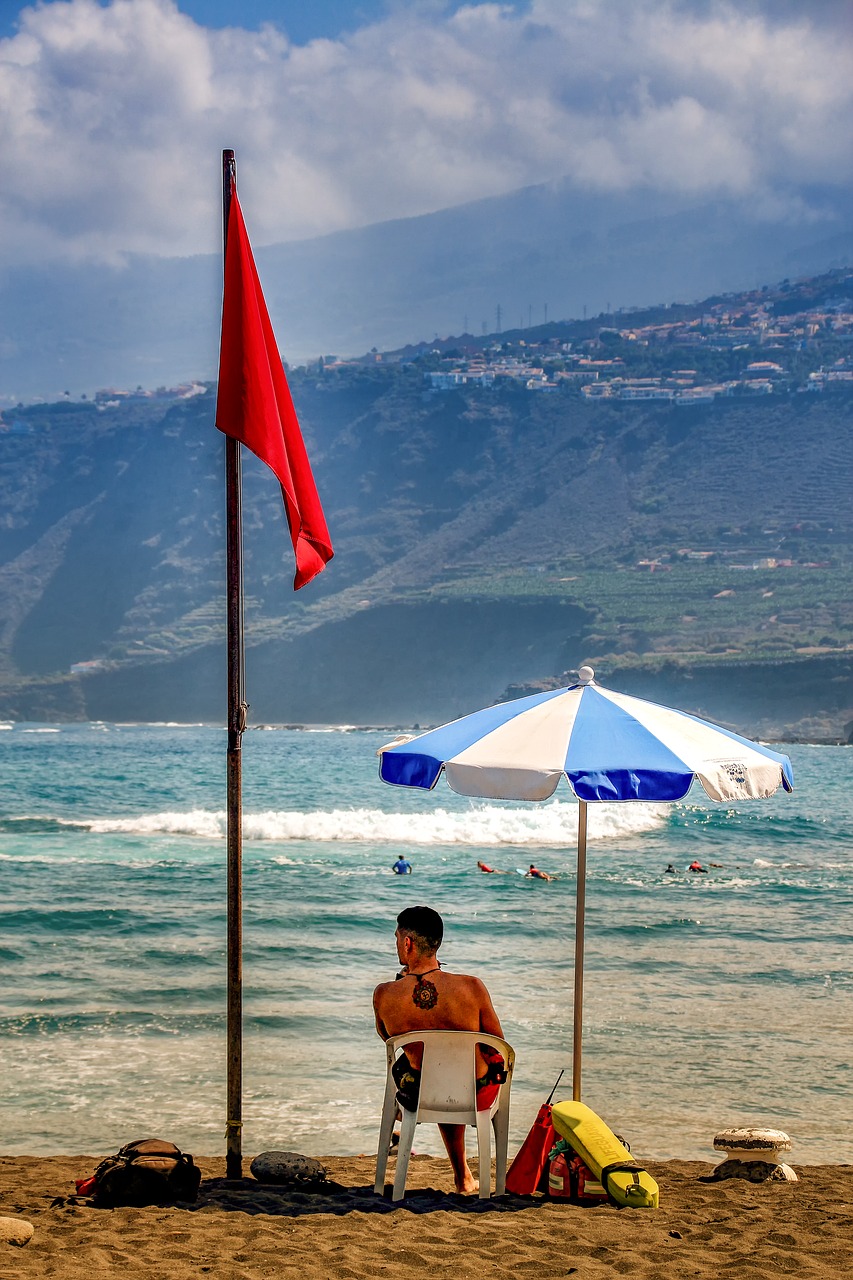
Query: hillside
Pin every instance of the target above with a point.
(486, 536)
(550, 250)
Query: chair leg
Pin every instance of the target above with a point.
(386, 1128)
(404, 1150)
(500, 1121)
(484, 1152)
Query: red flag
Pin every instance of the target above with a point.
(254, 406)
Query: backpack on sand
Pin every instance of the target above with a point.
(147, 1172)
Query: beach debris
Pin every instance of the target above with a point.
(754, 1154)
(15, 1231)
(287, 1169)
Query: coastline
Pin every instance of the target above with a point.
(10, 722)
(245, 1231)
(791, 697)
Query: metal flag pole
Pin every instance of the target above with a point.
(236, 725)
(580, 909)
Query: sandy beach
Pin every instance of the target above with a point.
(244, 1231)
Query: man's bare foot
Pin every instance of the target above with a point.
(469, 1185)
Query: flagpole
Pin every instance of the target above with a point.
(253, 407)
(236, 725)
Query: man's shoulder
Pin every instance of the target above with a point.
(469, 981)
(381, 989)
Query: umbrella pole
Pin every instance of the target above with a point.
(580, 910)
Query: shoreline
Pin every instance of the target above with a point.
(9, 722)
(246, 1230)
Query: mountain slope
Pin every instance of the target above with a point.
(483, 537)
(155, 321)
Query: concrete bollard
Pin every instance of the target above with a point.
(754, 1154)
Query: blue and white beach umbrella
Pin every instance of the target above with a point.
(607, 745)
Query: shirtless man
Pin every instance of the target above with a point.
(425, 998)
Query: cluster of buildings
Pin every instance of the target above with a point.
(741, 557)
(601, 367)
(110, 397)
(611, 380)
(684, 387)
(751, 325)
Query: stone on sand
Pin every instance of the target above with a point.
(287, 1169)
(15, 1231)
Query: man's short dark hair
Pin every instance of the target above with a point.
(423, 925)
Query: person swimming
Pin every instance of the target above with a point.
(537, 874)
(697, 866)
(484, 867)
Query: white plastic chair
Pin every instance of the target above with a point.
(448, 1095)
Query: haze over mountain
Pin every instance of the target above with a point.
(405, 170)
(488, 533)
(154, 321)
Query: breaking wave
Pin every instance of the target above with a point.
(553, 824)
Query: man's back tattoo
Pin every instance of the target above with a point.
(424, 994)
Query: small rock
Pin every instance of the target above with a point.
(287, 1169)
(15, 1231)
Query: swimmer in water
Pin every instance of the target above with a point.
(401, 867)
(537, 874)
(483, 867)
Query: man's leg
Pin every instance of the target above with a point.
(453, 1136)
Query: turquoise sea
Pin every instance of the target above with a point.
(711, 1000)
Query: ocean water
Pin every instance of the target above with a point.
(710, 1001)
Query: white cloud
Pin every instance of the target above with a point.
(112, 118)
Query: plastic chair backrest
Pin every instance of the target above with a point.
(448, 1074)
(449, 1068)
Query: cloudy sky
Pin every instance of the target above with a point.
(113, 115)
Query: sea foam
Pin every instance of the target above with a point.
(552, 824)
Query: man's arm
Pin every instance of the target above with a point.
(381, 1029)
(489, 1021)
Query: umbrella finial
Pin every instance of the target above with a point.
(586, 675)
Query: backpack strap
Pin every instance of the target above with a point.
(619, 1166)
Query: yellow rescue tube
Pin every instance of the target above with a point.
(609, 1160)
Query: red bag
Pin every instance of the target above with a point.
(530, 1166)
(561, 1179)
(569, 1178)
(588, 1190)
